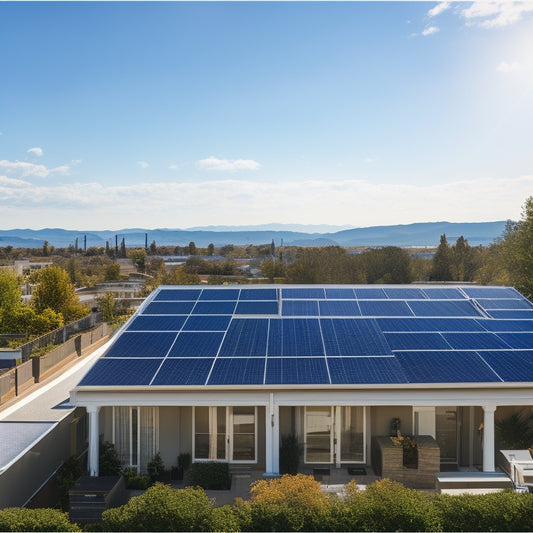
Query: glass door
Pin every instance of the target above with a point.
(447, 434)
(352, 435)
(210, 433)
(243, 440)
(318, 434)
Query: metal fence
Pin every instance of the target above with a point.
(61, 335)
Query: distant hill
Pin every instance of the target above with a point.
(419, 234)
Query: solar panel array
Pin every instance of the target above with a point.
(322, 335)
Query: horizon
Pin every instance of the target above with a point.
(197, 114)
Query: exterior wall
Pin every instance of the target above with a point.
(261, 452)
(169, 435)
(185, 430)
(105, 423)
(381, 417)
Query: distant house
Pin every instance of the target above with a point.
(223, 373)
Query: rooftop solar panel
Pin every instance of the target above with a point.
(295, 337)
(183, 372)
(445, 367)
(384, 308)
(168, 308)
(511, 365)
(491, 292)
(438, 293)
(214, 308)
(442, 308)
(428, 324)
(256, 308)
(516, 303)
(404, 293)
(145, 344)
(219, 294)
(299, 308)
(296, 371)
(518, 340)
(245, 338)
(238, 371)
(359, 370)
(416, 341)
(117, 372)
(157, 323)
(340, 294)
(207, 323)
(517, 314)
(474, 341)
(370, 293)
(258, 294)
(196, 344)
(307, 293)
(177, 294)
(339, 308)
(496, 326)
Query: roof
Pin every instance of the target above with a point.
(328, 335)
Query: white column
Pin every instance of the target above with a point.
(488, 438)
(92, 462)
(275, 440)
(272, 437)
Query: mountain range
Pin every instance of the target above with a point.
(418, 234)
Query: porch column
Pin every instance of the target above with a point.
(92, 460)
(272, 438)
(488, 438)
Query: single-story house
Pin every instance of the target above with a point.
(224, 372)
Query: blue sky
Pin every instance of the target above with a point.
(181, 114)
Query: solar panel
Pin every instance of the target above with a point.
(146, 344)
(371, 293)
(183, 372)
(428, 324)
(444, 308)
(307, 293)
(295, 337)
(438, 293)
(518, 340)
(339, 308)
(474, 341)
(371, 370)
(258, 294)
(511, 365)
(168, 308)
(296, 371)
(207, 323)
(117, 372)
(219, 294)
(384, 308)
(416, 341)
(257, 308)
(518, 314)
(214, 308)
(247, 338)
(404, 293)
(504, 303)
(299, 308)
(195, 344)
(340, 294)
(157, 323)
(344, 337)
(491, 292)
(496, 326)
(445, 367)
(238, 371)
(177, 294)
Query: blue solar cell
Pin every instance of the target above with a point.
(416, 341)
(474, 341)
(518, 340)
(157, 323)
(344, 337)
(384, 308)
(494, 325)
(246, 338)
(445, 367)
(168, 308)
(491, 292)
(296, 371)
(146, 344)
(219, 294)
(207, 323)
(340, 294)
(116, 372)
(183, 372)
(339, 308)
(370, 293)
(299, 308)
(295, 337)
(196, 344)
(355, 370)
(521, 303)
(258, 294)
(444, 308)
(238, 371)
(511, 366)
(428, 324)
(519, 314)
(409, 293)
(308, 293)
(257, 308)
(444, 293)
(177, 294)
(214, 308)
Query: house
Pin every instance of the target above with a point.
(224, 372)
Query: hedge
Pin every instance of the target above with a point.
(20, 519)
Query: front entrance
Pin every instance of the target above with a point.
(447, 434)
(334, 434)
(225, 434)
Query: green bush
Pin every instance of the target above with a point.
(224, 519)
(109, 463)
(17, 519)
(289, 454)
(156, 466)
(214, 476)
(138, 482)
(71, 470)
(162, 508)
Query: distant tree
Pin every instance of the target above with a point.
(211, 249)
(153, 248)
(10, 291)
(108, 251)
(386, 265)
(123, 248)
(106, 303)
(273, 249)
(272, 269)
(463, 260)
(46, 248)
(112, 272)
(442, 262)
(192, 248)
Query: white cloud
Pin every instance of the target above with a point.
(212, 163)
(371, 159)
(508, 67)
(430, 31)
(12, 182)
(76, 161)
(438, 9)
(36, 151)
(495, 14)
(143, 164)
(22, 169)
(173, 167)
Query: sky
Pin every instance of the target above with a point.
(181, 114)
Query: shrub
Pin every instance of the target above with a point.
(289, 454)
(224, 519)
(17, 519)
(214, 476)
(138, 482)
(71, 470)
(162, 508)
(156, 466)
(110, 464)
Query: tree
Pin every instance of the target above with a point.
(46, 248)
(106, 303)
(192, 248)
(123, 247)
(112, 272)
(10, 291)
(153, 248)
(441, 261)
(211, 249)
(463, 260)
